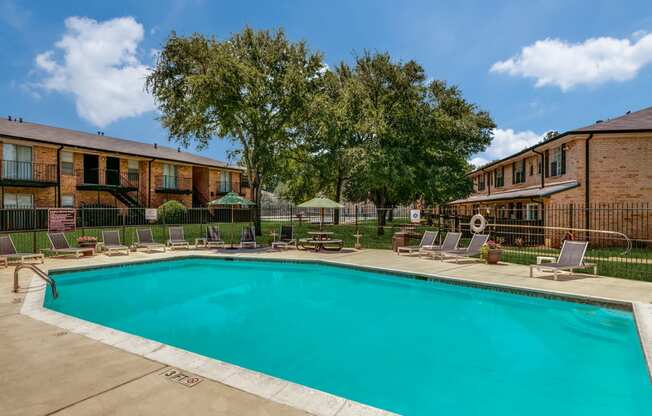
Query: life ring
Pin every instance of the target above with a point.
(478, 223)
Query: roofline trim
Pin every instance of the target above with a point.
(559, 136)
(122, 153)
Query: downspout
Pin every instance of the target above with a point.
(587, 177)
(149, 183)
(57, 202)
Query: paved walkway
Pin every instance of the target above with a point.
(47, 370)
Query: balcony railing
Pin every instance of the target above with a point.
(28, 173)
(89, 178)
(226, 187)
(173, 184)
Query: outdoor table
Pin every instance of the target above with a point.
(201, 241)
(320, 235)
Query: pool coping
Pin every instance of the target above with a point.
(272, 388)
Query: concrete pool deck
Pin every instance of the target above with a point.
(53, 368)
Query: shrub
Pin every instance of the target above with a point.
(172, 212)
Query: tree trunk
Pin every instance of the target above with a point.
(257, 191)
(338, 196)
(381, 214)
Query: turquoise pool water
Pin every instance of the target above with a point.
(405, 345)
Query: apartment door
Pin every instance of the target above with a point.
(91, 169)
(112, 171)
(17, 163)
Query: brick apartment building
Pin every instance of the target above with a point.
(605, 163)
(43, 166)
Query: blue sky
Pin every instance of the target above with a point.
(535, 66)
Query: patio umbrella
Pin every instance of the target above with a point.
(232, 199)
(321, 203)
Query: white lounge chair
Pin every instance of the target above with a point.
(111, 242)
(145, 239)
(286, 238)
(428, 239)
(60, 246)
(473, 249)
(8, 250)
(248, 237)
(449, 244)
(214, 237)
(176, 238)
(570, 258)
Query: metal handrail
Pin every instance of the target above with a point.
(40, 273)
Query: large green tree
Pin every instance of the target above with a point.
(324, 153)
(253, 88)
(416, 136)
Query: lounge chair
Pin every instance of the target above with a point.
(176, 238)
(570, 258)
(145, 239)
(213, 237)
(449, 244)
(59, 246)
(428, 239)
(286, 238)
(473, 249)
(8, 250)
(111, 242)
(248, 238)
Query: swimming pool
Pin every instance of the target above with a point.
(406, 345)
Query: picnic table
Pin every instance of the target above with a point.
(320, 240)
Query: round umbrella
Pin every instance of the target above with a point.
(232, 199)
(321, 203)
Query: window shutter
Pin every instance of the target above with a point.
(546, 157)
(563, 159)
(513, 173)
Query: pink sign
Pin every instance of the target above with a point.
(62, 219)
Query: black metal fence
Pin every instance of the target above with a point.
(620, 235)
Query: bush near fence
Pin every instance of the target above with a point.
(523, 241)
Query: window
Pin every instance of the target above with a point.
(169, 176)
(67, 164)
(555, 161)
(225, 182)
(518, 172)
(499, 177)
(518, 211)
(68, 201)
(17, 163)
(531, 168)
(132, 170)
(481, 183)
(533, 212)
(16, 201)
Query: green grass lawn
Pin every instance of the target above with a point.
(632, 266)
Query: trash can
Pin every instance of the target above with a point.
(400, 239)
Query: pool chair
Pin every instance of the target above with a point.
(428, 239)
(473, 249)
(111, 242)
(449, 244)
(248, 238)
(286, 238)
(59, 246)
(570, 258)
(176, 238)
(8, 251)
(213, 237)
(145, 239)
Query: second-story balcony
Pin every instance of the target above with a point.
(224, 188)
(105, 179)
(37, 175)
(173, 184)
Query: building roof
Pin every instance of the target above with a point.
(520, 193)
(73, 138)
(638, 121)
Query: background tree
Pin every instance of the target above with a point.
(254, 88)
(322, 159)
(415, 137)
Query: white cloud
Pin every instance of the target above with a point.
(506, 142)
(100, 66)
(592, 62)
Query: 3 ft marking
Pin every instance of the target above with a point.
(177, 376)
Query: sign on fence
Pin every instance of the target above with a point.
(62, 219)
(151, 214)
(415, 215)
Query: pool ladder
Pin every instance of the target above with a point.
(40, 273)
